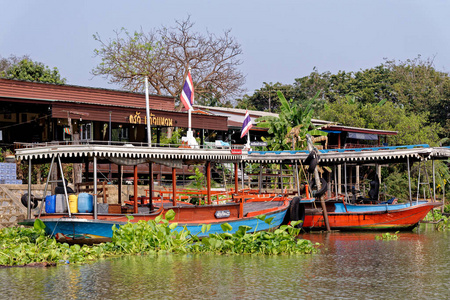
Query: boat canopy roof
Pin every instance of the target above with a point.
(132, 155)
(128, 154)
(388, 154)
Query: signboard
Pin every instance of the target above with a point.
(158, 121)
(236, 151)
(258, 144)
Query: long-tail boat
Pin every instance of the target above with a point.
(342, 210)
(238, 212)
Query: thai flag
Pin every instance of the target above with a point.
(187, 94)
(246, 125)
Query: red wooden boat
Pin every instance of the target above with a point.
(404, 218)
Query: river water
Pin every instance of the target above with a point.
(350, 266)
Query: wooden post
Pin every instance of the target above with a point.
(77, 173)
(120, 179)
(260, 178)
(208, 182)
(150, 186)
(135, 189)
(174, 186)
(95, 187)
(29, 190)
(236, 181)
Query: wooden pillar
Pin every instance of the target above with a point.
(150, 186)
(260, 178)
(120, 179)
(339, 140)
(174, 186)
(339, 179)
(29, 190)
(86, 170)
(95, 187)
(357, 178)
(236, 179)
(136, 189)
(208, 182)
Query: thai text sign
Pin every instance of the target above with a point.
(158, 121)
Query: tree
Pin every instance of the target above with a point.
(288, 130)
(164, 55)
(265, 99)
(26, 69)
(6, 63)
(412, 128)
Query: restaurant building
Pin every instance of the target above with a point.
(39, 112)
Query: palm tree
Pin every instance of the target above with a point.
(291, 125)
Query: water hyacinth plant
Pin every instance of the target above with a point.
(387, 236)
(25, 246)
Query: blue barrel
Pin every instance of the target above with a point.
(50, 204)
(85, 203)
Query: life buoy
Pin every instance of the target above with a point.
(323, 189)
(33, 202)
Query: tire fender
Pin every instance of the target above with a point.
(297, 211)
(33, 202)
(323, 189)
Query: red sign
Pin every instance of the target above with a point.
(236, 151)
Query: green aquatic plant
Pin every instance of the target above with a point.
(245, 241)
(149, 236)
(23, 246)
(387, 236)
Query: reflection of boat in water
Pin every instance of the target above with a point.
(237, 212)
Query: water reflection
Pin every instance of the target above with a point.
(351, 265)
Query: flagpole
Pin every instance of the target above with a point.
(189, 113)
(147, 110)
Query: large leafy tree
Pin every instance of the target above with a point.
(29, 70)
(266, 98)
(412, 128)
(413, 84)
(165, 54)
(288, 130)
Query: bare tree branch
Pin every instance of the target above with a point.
(165, 54)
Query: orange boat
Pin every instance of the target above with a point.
(369, 217)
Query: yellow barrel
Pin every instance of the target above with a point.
(73, 203)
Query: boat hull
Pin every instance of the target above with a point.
(192, 218)
(397, 219)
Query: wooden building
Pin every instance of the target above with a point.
(40, 112)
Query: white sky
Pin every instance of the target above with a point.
(281, 40)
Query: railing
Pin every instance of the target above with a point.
(206, 146)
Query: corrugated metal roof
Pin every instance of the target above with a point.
(16, 89)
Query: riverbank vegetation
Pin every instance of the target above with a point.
(440, 220)
(30, 246)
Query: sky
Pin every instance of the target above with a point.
(281, 40)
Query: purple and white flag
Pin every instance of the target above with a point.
(187, 94)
